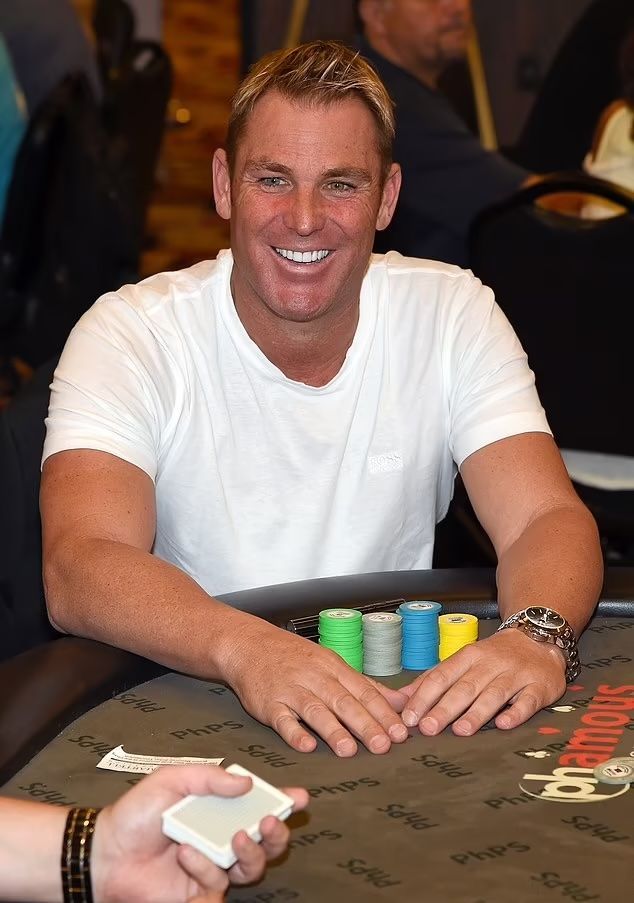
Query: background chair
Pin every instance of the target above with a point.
(75, 214)
(113, 27)
(23, 619)
(135, 106)
(68, 233)
(565, 284)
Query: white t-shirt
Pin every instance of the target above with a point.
(262, 480)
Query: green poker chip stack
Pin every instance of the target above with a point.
(341, 630)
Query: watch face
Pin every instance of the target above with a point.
(544, 618)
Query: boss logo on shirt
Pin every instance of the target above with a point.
(386, 463)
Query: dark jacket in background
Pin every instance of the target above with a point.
(448, 177)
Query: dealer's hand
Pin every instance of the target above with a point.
(283, 679)
(478, 682)
(133, 862)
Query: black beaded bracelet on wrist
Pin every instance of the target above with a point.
(78, 833)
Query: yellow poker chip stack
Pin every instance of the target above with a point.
(456, 631)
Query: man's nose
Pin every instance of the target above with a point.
(305, 211)
(461, 8)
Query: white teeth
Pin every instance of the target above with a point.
(302, 256)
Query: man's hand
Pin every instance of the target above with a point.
(283, 680)
(476, 683)
(133, 861)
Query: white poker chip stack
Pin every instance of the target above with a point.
(382, 643)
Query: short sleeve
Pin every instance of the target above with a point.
(106, 393)
(492, 392)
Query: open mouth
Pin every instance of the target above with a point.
(302, 256)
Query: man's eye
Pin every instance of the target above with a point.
(340, 187)
(271, 181)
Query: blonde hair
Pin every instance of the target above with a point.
(321, 72)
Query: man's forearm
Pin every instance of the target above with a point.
(556, 562)
(128, 598)
(30, 850)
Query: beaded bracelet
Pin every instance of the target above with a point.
(78, 833)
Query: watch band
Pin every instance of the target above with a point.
(562, 635)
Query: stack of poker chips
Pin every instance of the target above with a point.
(382, 640)
(456, 631)
(340, 629)
(420, 634)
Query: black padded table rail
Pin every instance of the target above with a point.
(481, 819)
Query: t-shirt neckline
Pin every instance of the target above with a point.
(251, 351)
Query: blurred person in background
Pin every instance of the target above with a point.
(612, 154)
(12, 128)
(46, 42)
(448, 177)
(12, 122)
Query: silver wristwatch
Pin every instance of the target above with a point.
(547, 626)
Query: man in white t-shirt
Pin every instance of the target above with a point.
(297, 408)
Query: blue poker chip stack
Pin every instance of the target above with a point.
(420, 634)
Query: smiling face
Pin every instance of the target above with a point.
(305, 198)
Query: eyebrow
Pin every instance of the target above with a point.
(345, 172)
(267, 166)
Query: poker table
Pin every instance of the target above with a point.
(500, 816)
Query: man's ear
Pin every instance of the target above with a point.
(391, 190)
(222, 183)
(372, 13)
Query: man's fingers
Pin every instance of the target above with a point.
(478, 682)
(375, 700)
(204, 872)
(433, 686)
(321, 691)
(337, 716)
(275, 836)
(298, 795)
(251, 860)
(286, 724)
(465, 698)
(316, 714)
(488, 703)
(319, 716)
(522, 707)
(395, 698)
